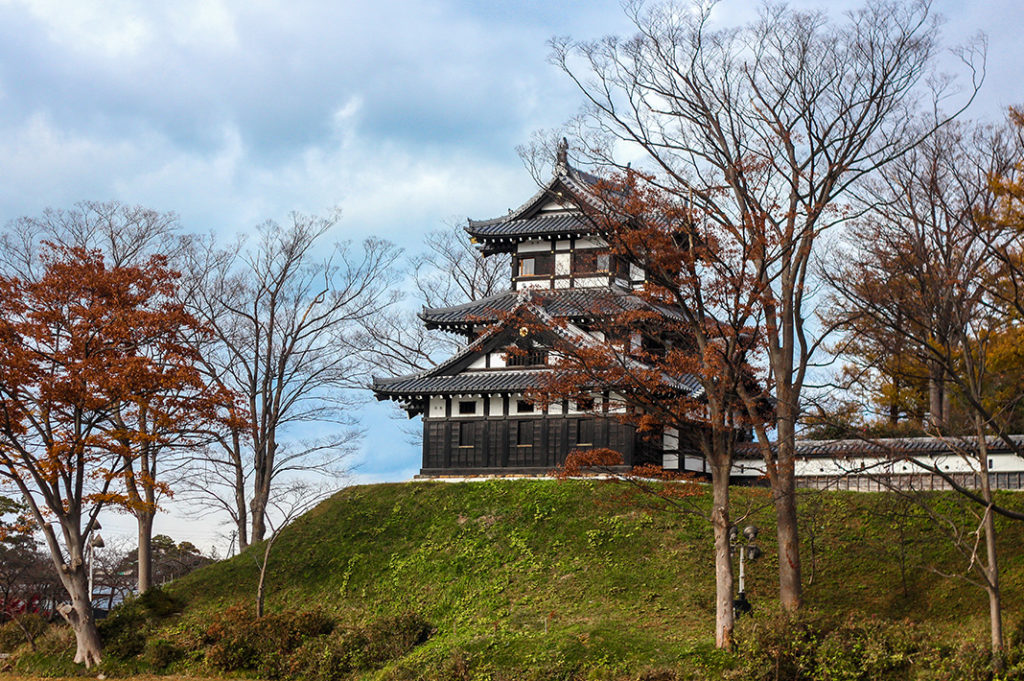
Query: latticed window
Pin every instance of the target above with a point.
(537, 265)
(530, 358)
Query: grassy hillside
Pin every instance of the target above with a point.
(552, 579)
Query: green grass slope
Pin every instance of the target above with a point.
(584, 576)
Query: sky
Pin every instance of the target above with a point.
(405, 114)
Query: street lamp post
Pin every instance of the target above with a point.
(95, 542)
(746, 549)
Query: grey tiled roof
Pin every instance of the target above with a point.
(559, 303)
(540, 225)
(466, 382)
(481, 311)
(890, 447)
(525, 221)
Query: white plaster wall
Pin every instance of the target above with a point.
(591, 242)
(591, 281)
(479, 363)
(693, 463)
(1001, 463)
(497, 408)
(437, 407)
(478, 412)
(670, 461)
(563, 263)
(555, 207)
(533, 246)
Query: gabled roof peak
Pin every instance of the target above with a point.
(566, 182)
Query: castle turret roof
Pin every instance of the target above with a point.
(553, 212)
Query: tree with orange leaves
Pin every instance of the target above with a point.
(83, 345)
(682, 359)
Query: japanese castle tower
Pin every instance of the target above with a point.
(476, 420)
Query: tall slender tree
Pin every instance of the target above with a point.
(764, 128)
(679, 361)
(921, 268)
(285, 314)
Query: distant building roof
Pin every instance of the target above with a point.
(893, 447)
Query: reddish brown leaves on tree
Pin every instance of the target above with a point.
(88, 354)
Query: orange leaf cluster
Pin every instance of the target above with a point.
(95, 369)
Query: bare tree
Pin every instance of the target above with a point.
(764, 128)
(285, 312)
(921, 268)
(126, 235)
(450, 271)
(285, 507)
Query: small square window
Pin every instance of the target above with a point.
(524, 407)
(466, 408)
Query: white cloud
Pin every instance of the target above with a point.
(112, 28)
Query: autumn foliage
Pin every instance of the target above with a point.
(94, 369)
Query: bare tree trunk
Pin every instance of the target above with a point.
(241, 510)
(784, 491)
(145, 522)
(936, 412)
(258, 508)
(79, 615)
(724, 614)
(995, 608)
(260, 588)
(261, 488)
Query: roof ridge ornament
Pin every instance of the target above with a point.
(562, 154)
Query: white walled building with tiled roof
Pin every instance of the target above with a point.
(476, 419)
